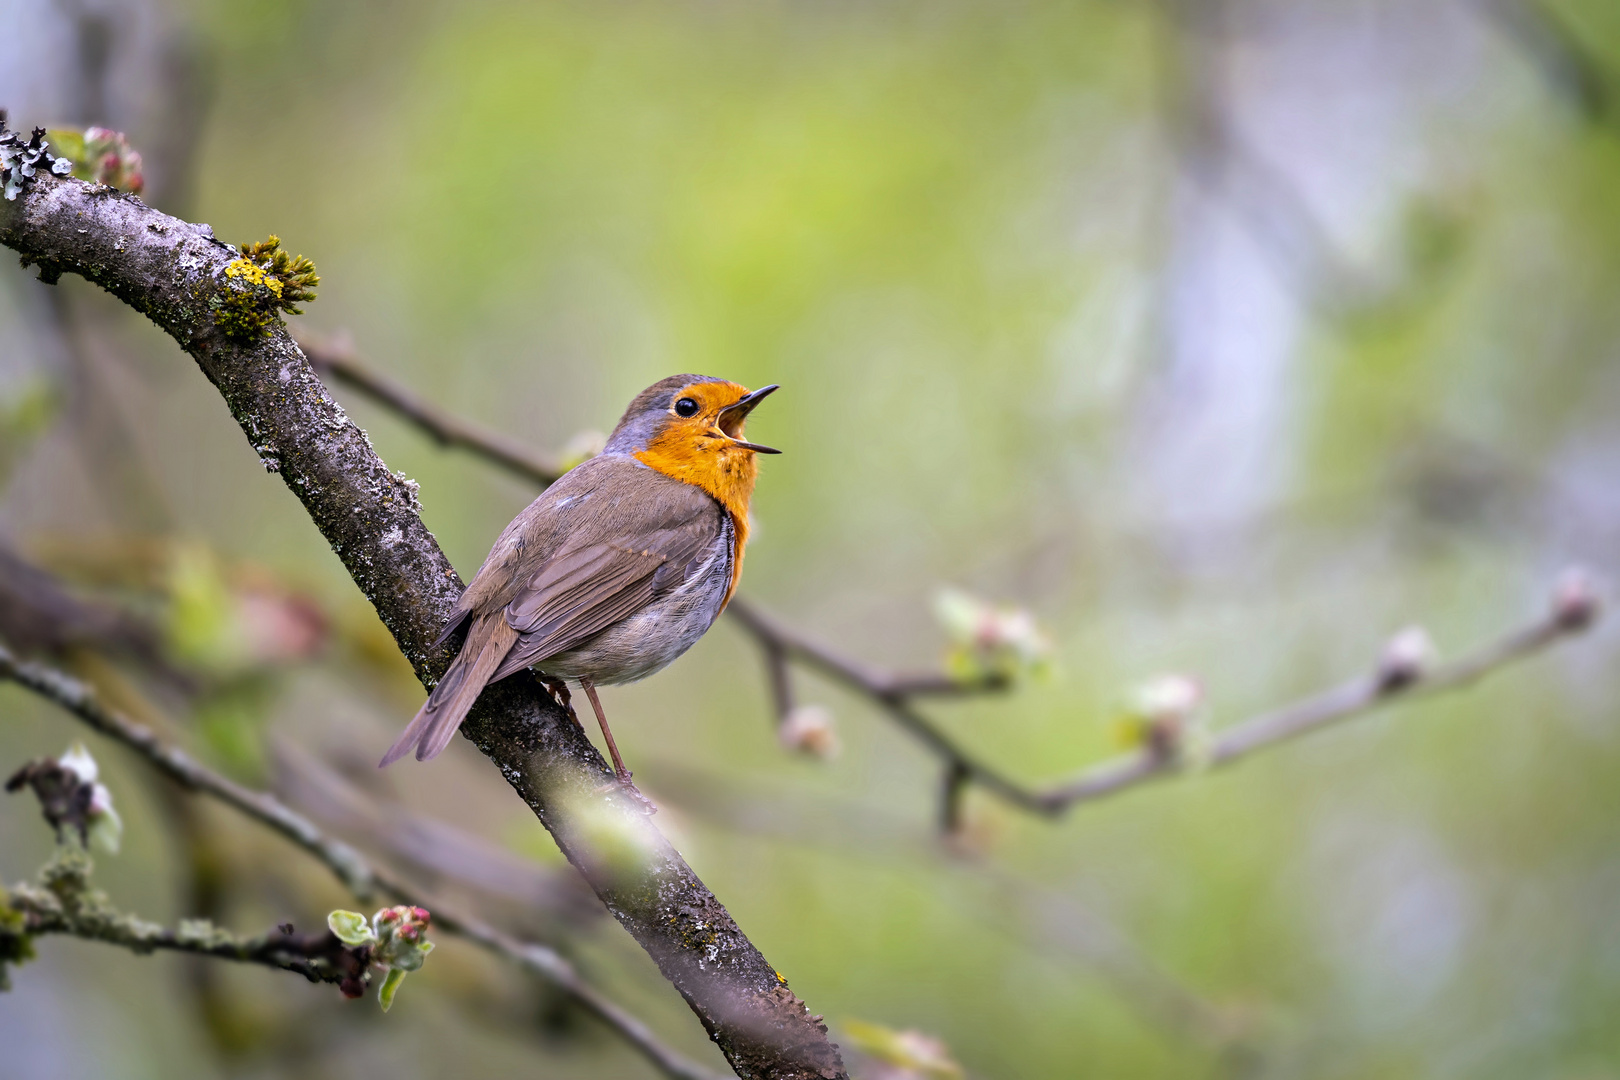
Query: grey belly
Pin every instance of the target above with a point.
(653, 637)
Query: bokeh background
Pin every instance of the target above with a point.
(1226, 337)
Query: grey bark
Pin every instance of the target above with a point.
(170, 270)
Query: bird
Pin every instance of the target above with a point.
(617, 568)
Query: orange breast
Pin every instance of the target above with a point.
(724, 471)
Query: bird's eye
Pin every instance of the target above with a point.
(686, 407)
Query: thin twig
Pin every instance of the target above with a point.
(347, 865)
(65, 903)
(1574, 609)
(773, 633)
(953, 786)
(962, 762)
(336, 357)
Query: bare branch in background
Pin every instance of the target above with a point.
(1573, 609)
(64, 903)
(336, 357)
(175, 272)
(346, 864)
(344, 861)
(895, 694)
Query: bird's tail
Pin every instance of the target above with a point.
(439, 718)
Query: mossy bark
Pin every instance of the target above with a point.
(65, 903)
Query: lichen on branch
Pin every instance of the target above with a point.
(63, 901)
(16, 943)
(21, 161)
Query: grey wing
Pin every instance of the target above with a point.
(541, 532)
(582, 591)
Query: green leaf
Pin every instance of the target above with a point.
(350, 927)
(385, 995)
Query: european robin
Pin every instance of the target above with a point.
(617, 568)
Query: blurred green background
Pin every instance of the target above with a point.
(1228, 338)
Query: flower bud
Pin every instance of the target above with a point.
(1164, 714)
(810, 729)
(1405, 658)
(103, 827)
(1168, 698)
(77, 760)
(1575, 599)
(990, 642)
(402, 946)
(401, 937)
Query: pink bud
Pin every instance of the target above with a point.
(810, 729)
(1575, 599)
(1405, 658)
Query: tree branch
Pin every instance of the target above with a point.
(346, 864)
(174, 272)
(64, 903)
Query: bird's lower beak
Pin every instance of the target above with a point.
(732, 416)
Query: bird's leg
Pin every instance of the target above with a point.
(618, 763)
(601, 718)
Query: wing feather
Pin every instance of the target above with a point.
(582, 592)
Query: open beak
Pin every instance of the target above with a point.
(732, 416)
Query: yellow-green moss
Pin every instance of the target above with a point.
(259, 286)
(16, 945)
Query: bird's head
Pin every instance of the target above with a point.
(690, 427)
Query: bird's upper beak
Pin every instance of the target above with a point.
(732, 416)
